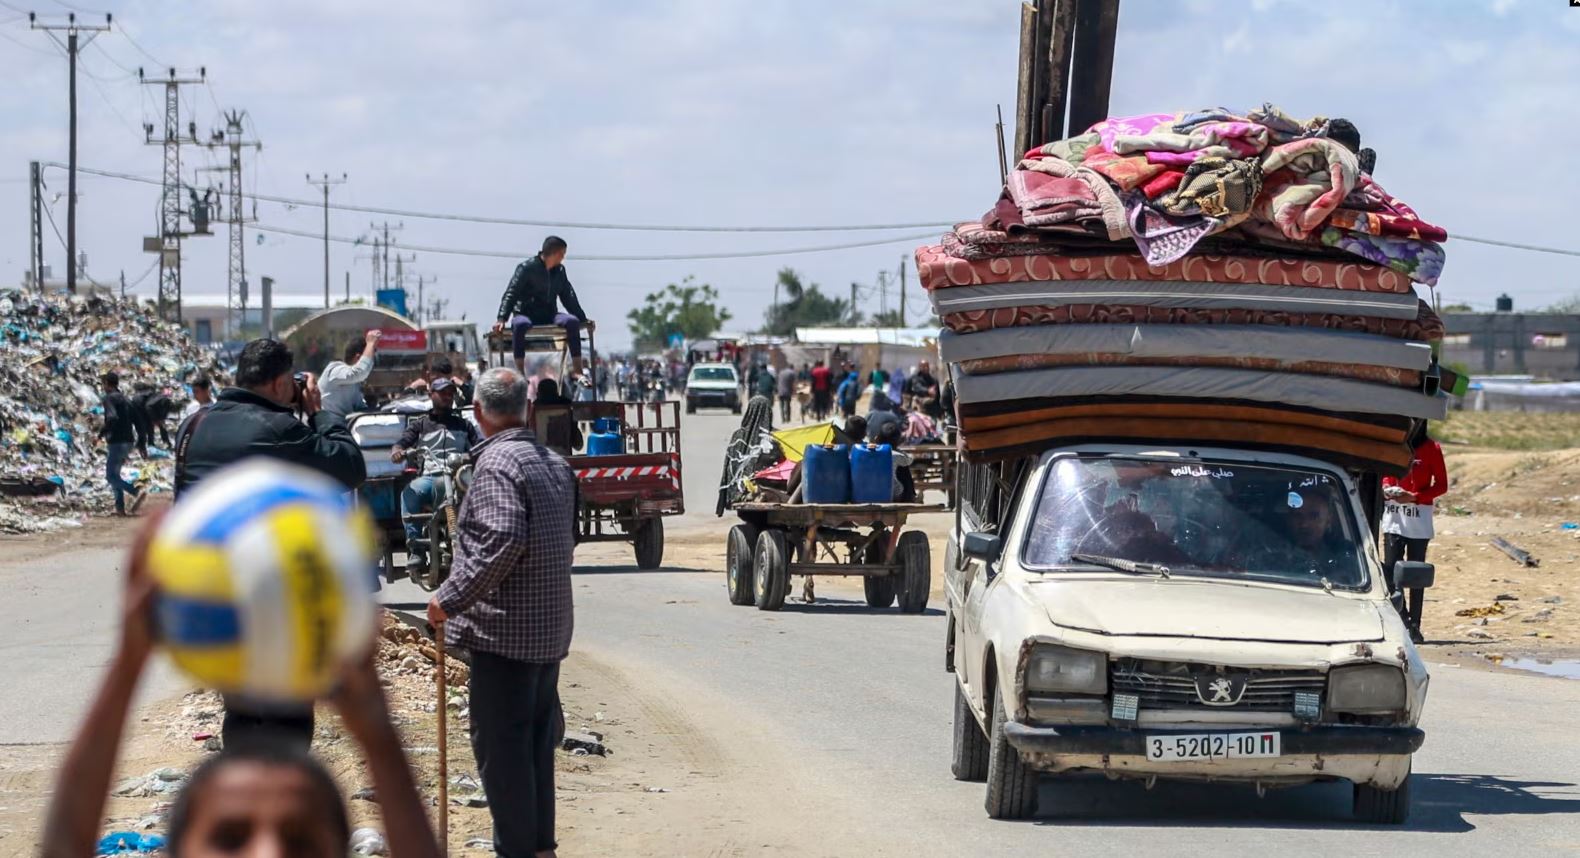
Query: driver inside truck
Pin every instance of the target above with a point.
(1313, 541)
(441, 431)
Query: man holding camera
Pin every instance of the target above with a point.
(258, 417)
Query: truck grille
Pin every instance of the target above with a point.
(1172, 685)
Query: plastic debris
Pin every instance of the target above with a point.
(583, 744)
(129, 843)
(367, 841)
(53, 349)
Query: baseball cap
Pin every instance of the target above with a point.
(441, 383)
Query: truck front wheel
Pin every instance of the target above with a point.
(1382, 806)
(1011, 783)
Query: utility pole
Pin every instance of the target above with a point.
(236, 270)
(385, 265)
(422, 309)
(36, 238)
(74, 44)
(168, 243)
(902, 291)
(326, 183)
(348, 287)
(400, 280)
(853, 288)
(123, 284)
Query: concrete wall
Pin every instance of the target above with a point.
(1541, 344)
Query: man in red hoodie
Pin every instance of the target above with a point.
(1407, 516)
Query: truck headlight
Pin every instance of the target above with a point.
(1061, 670)
(1366, 689)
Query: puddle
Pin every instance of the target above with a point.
(1566, 668)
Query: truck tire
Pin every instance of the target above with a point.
(739, 566)
(649, 544)
(773, 570)
(1382, 806)
(1011, 783)
(970, 761)
(916, 576)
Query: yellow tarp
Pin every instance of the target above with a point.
(795, 441)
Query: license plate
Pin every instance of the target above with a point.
(1212, 746)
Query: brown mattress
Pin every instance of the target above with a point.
(1389, 375)
(1338, 447)
(987, 417)
(938, 270)
(1426, 326)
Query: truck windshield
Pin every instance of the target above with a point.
(1209, 519)
(713, 373)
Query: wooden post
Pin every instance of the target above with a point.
(1059, 74)
(1096, 23)
(1039, 70)
(1025, 112)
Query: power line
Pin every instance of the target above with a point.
(1516, 245)
(516, 254)
(392, 212)
(26, 47)
(138, 45)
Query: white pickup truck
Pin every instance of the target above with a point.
(1184, 614)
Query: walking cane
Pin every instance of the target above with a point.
(444, 756)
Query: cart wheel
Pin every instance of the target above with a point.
(650, 544)
(439, 548)
(738, 566)
(879, 589)
(773, 572)
(916, 571)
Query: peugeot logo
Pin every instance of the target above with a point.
(1215, 690)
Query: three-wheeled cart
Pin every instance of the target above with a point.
(623, 497)
(777, 540)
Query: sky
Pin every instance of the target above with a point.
(736, 113)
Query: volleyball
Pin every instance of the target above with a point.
(265, 575)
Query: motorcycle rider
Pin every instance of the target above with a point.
(442, 430)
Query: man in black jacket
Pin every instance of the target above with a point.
(533, 297)
(257, 417)
(119, 433)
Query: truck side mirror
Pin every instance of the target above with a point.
(985, 547)
(1412, 575)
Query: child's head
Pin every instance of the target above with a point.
(261, 798)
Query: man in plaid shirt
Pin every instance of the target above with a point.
(508, 601)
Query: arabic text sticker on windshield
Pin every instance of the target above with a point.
(1296, 501)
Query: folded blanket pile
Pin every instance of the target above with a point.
(1243, 268)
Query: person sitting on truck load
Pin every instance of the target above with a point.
(854, 430)
(341, 381)
(440, 431)
(532, 299)
(1407, 516)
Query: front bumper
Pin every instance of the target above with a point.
(1296, 741)
(714, 397)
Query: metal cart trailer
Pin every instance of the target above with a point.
(777, 540)
(933, 468)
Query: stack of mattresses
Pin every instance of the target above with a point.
(1256, 319)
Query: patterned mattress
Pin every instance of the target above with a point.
(938, 270)
(1013, 363)
(1425, 327)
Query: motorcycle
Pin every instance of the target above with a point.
(439, 524)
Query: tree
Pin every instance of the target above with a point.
(802, 305)
(1566, 307)
(687, 308)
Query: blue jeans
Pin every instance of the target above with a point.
(114, 458)
(419, 495)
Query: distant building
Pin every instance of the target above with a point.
(207, 317)
(1543, 345)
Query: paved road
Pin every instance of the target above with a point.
(859, 703)
(61, 615)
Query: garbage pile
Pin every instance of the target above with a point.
(1209, 275)
(53, 350)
